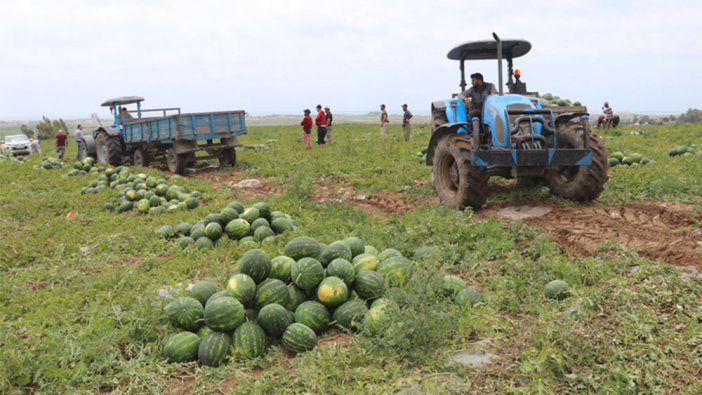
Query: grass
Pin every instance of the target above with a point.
(81, 306)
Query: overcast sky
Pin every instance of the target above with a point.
(63, 58)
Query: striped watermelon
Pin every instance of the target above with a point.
(295, 297)
(229, 214)
(262, 232)
(313, 314)
(369, 249)
(250, 341)
(451, 285)
(387, 253)
(337, 249)
(301, 247)
(280, 225)
(343, 269)
(213, 231)
(467, 296)
(237, 206)
(224, 314)
(350, 315)
(214, 349)
(217, 295)
(280, 268)
(203, 290)
(307, 273)
(396, 270)
(181, 347)
(256, 264)
(237, 229)
(243, 288)
(356, 245)
(365, 262)
(201, 333)
(299, 338)
(250, 214)
(270, 291)
(369, 285)
(259, 222)
(274, 318)
(185, 313)
(264, 210)
(332, 292)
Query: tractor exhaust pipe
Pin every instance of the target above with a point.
(499, 62)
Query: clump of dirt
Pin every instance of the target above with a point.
(383, 202)
(666, 231)
(247, 187)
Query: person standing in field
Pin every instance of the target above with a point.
(78, 135)
(321, 122)
(406, 116)
(330, 118)
(36, 146)
(307, 129)
(383, 121)
(60, 143)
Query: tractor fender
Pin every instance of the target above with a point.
(439, 133)
(563, 118)
(90, 145)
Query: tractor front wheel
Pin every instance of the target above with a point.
(109, 149)
(579, 183)
(457, 181)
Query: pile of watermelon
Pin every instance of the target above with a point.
(140, 192)
(50, 163)
(555, 101)
(685, 151)
(635, 159)
(257, 223)
(85, 166)
(289, 300)
(11, 158)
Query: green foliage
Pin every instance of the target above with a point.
(47, 128)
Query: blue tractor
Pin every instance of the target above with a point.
(514, 135)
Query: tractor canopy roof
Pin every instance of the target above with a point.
(487, 49)
(120, 101)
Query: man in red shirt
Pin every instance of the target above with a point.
(321, 122)
(60, 144)
(307, 129)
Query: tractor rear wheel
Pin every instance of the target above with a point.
(175, 161)
(227, 157)
(579, 183)
(141, 158)
(457, 181)
(109, 149)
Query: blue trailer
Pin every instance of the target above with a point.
(141, 135)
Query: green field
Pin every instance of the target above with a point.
(81, 297)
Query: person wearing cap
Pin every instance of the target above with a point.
(406, 116)
(383, 121)
(307, 129)
(321, 122)
(330, 117)
(475, 96)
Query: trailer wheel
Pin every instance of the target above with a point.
(579, 183)
(227, 157)
(141, 158)
(109, 149)
(458, 183)
(175, 162)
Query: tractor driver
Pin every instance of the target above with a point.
(477, 93)
(126, 116)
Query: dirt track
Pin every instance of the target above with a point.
(667, 231)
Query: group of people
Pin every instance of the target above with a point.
(61, 141)
(323, 121)
(384, 121)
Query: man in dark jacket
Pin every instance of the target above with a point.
(477, 94)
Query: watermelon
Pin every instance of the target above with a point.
(299, 338)
(369, 285)
(202, 332)
(280, 268)
(369, 249)
(356, 245)
(274, 318)
(224, 314)
(396, 270)
(467, 296)
(387, 253)
(270, 291)
(237, 229)
(350, 315)
(204, 243)
(243, 288)
(143, 206)
(229, 214)
(213, 231)
(332, 292)
(258, 223)
(250, 214)
(203, 290)
(365, 262)
(256, 264)
(125, 206)
(237, 206)
(217, 295)
(248, 241)
(181, 347)
(343, 269)
(278, 214)
(313, 314)
(378, 317)
(154, 201)
(166, 231)
(185, 313)
(183, 228)
(296, 296)
(262, 232)
(307, 273)
(161, 189)
(398, 295)
(337, 249)
(197, 231)
(215, 217)
(557, 289)
(280, 225)
(264, 210)
(301, 247)
(250, 341)
(451, 285)
(214, 349)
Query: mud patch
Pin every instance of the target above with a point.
(245, 187)
(383, 202)
(666, 231)
(180, 386)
